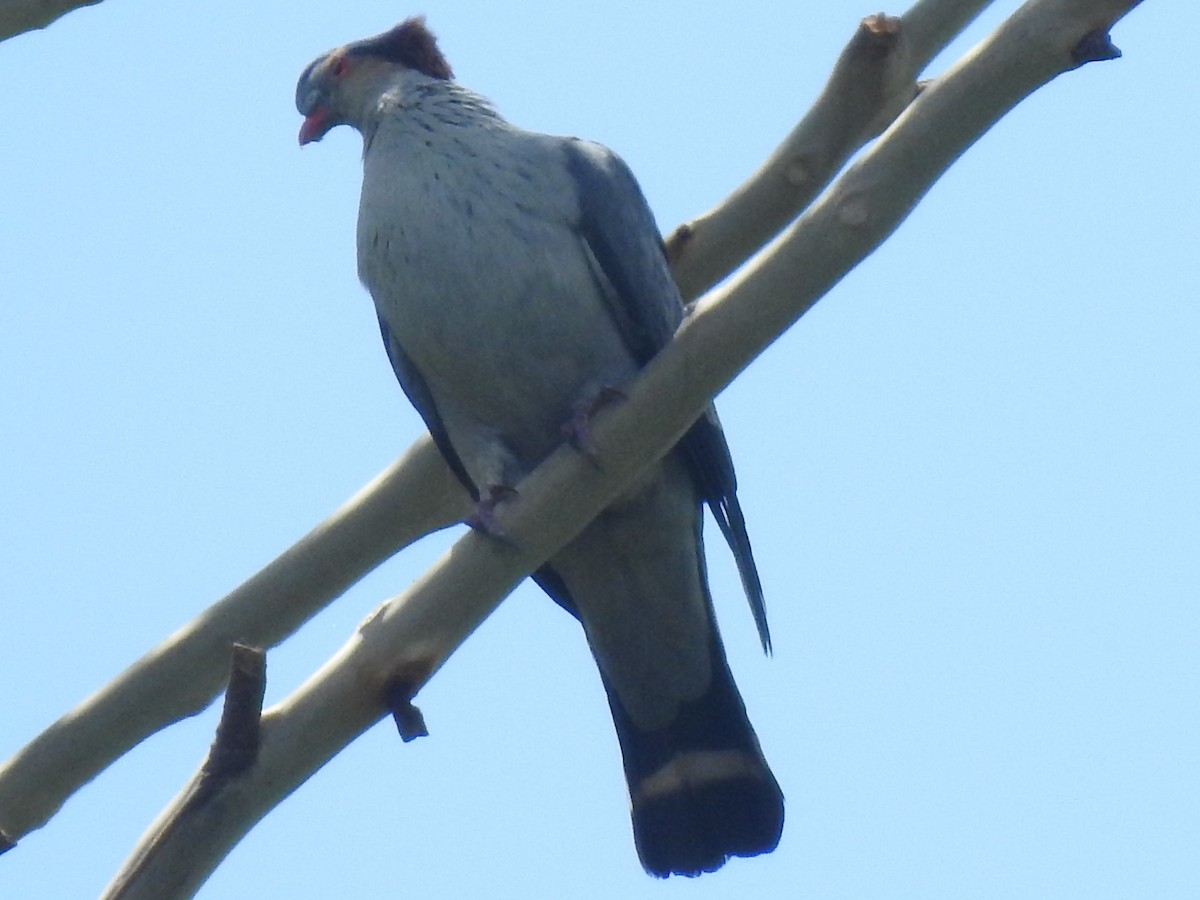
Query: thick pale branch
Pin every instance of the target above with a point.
(414, 496)
(19, 16)
(410, 637)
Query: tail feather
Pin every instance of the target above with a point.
(700, 789)
(698, 826)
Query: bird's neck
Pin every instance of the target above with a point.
(434, 106)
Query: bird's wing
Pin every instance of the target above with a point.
(421, 398)
(614, 222)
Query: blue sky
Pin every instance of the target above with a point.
(970, 472)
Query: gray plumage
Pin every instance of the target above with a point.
(515, 276)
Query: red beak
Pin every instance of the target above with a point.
(316, 124)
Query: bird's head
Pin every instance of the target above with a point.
(343, 86)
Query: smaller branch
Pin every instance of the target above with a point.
(399, 695)
(873, 80)
(154, 871)
(236, 745)
(932, 24)
(868, 78)
(1095, 46)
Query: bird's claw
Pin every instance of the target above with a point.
(578, 428)
(483, 518)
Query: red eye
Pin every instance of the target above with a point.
(339, 66)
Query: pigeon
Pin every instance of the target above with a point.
(519, 280)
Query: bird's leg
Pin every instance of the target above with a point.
(578, 428)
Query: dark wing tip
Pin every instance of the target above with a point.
(411, 44)
(733, 526)
(708, 457)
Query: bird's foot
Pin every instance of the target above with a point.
(578, 428)
(483, 516)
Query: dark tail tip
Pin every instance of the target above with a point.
(694, 825)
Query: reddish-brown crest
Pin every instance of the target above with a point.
(410, 44)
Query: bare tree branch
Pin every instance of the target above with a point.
(408, 638)
(932, 24)
(19, 16)
(233, 752)
(873, 80)
(414, 496)
(238, 735)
